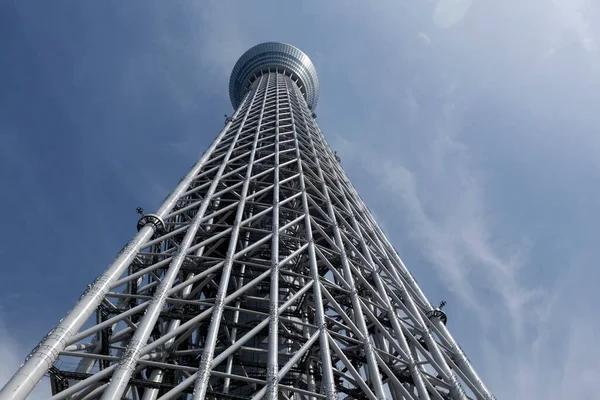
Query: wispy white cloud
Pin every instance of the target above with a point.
(456, 230)
(575, 18)
(559, 360)
(444, 200)
(542, 343)
(582, 364)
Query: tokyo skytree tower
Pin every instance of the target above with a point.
(262, 276)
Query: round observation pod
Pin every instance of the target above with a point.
(269, 57)
(438, 313)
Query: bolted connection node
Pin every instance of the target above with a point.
(153, 219)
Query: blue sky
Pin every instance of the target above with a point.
(470, 128)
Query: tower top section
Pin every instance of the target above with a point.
(272, 56)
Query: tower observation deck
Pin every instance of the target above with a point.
(261, 276)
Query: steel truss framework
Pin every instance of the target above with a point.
(263, 275)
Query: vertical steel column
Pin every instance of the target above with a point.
(87, 364)
(240, 342)
(290, 364)
(45, 354)
(236, 316)
(407, 276)
(388, 253)
(306, 332)
(414, 370)
(273, 345)
(203, 377)
(333, 277)
(329, 388)
(456, 391)
(97, 377)
(412, 284)
(156, 377)
(121, 376)
(380, 285)
(372, 370)
(157, 374)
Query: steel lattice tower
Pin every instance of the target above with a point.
(262, 276)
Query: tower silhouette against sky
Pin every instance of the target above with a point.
(261, 276)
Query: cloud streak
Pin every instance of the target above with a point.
(455, 228)
(527, 342)
(574, 17)
(444, 200)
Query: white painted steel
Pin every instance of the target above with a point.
(262, 275)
